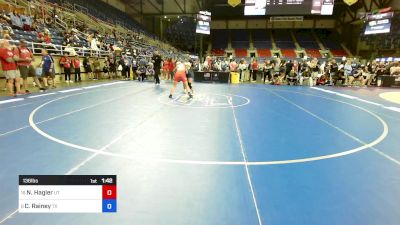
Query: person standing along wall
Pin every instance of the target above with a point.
(77, 68)
(65, 62)
(9, 67)
(25, 59)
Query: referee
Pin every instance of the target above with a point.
(157, 66)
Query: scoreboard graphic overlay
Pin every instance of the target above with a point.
(67, 193)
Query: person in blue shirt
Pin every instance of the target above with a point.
(16, 21)
(47, 68)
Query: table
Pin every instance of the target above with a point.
(212, 77)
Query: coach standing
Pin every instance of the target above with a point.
(157, 66)
(9, 67)
(25, 64)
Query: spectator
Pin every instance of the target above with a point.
(77, 68)
(141, 71)
(47, 65)
(16, 21)
(348, 69)
(65, 63)
(97, 70)
(395, 69)
(166, 69)
(112, 65)
(127, 67)
(26, 22)
(267, 71)
(70, 50)
(171, 68)
(9, 67)
(242, 69)
(88, 67)
(233, 66)
(24, 63)
(356, 75)
(254, 70)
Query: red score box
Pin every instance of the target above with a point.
(109, 192)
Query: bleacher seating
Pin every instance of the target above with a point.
(240, 39)
(218, 52)
(241, 52)
(264, 52)
(182, 33)
(283, 40)
(288, 53)
(339, 53)
(313, 53)
(306, 40)
(113, 15)
(262, 39)
(219, 39)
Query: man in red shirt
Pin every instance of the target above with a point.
(9, 67)
(25, 64)
(77, 68)
(65, 62)
(253, 71)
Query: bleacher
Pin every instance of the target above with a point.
(306, 40)
(264, 52)
(331, 42)
(313, 53)
(182, 33)
(283, 40)
(241, 52)
(219, 40)
(218, 52)
(288, 53)
(240, 39)
(262, 42)
(96, 8)
(262, 39)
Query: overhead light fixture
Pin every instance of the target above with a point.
(165, 17)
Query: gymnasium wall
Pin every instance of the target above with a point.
(266, 24)
(117, 4)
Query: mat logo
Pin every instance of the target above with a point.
(207, 100)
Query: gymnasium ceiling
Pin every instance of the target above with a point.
(221, 10)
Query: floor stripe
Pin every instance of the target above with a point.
(11, 100)
(68, 113)
(78, 166)
(94, 86)
(11, 215)
(245, 160)
(42, 95)
(213, 162)
(396, 109)
(70, 90)
(340, 130)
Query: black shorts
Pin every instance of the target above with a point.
(190, 74)
(27, 71)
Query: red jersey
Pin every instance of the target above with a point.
(254, 66)
(47, 39)
(66, 62)
(76, 63)
(166, 65)
(171, 66)
(5, 54)
(23, 53)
